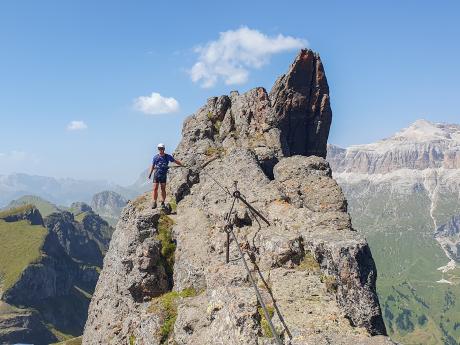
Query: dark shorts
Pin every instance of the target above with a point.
(159, 178)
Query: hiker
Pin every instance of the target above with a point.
(160, 165)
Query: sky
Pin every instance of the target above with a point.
(89, 88)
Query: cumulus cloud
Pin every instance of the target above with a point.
(156, 104)
(235, 52)
(76, 126)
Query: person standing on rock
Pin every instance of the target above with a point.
(160, 164)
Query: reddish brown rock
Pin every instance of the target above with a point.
(300, 99)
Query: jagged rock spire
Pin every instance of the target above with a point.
(300, 99)
(294, 119)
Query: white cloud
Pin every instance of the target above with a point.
(76, 126)
(156, 104)
(236, 51)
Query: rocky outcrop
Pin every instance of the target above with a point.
(133, 274)
(85, 240)
(74, 238)
(448, 235)
(308, 263)
(301, 102)
(109, 205)
(27, 212)
(293, 119)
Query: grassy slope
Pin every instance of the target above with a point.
(73, 341)
(20, 245)
(45, 207)
(15, 211)
(417, 310)
(80, 216)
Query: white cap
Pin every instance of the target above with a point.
(160, 145)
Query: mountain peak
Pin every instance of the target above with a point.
(423, 130)
(420, 146)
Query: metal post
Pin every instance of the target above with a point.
(227, 256)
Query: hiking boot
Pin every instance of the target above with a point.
(154, 205)
(162, 204)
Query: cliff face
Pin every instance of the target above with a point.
(308, 263)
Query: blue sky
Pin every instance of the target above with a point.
(387, 64)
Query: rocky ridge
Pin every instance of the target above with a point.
(420, 146)
(317, 270)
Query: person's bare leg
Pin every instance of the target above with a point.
(163, 192)
(155, 191)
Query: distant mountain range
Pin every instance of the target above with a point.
(62, 191)
(404, 195)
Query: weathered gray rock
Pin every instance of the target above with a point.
(293, 120)
(133, 274)
(309, 263)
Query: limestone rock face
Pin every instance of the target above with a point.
(308, 262)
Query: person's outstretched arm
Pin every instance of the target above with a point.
(178, 163)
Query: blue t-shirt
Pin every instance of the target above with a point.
(161, 163)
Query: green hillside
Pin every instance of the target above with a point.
(45, 207)
(73, 341)
(417, 309)
(20, 245)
